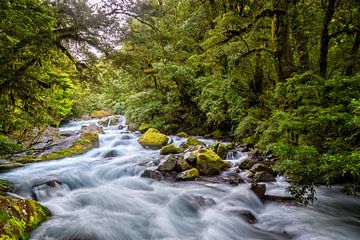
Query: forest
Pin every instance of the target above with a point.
(282, 76)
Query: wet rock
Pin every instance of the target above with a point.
(182, 134)
(121, 127)
(191, 141)
(282, 199)
(182, 165)
(190, 174)
(168, 163)
(231, 178)
(6, 164)
(190, 157)
(111, 154)
(6, 186)
(100, 113)
(152, 173)
(201, 201)
(25, 215)
(259, 189)
(68, 133)
(170, 149)
(153, 139)
(259, 167)
(263, 177)
(108, 121)
(247, 163)
(246, 215)
(144, 127)
(133, 127)
(249, 174)
(221, 150)
(170, 176)
(209, 163)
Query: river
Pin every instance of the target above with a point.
(104, 198)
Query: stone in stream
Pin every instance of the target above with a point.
(247, 163)
(260, 167)
(170, 149)
(259, 189)
(263, 177)
(111, 154)
(209, 163)
(190, 174)
(190, 156)
(133, 127)
(152, 173)
(192, 142)
(153, 139)
(182, 165)
(201, 201)
(168, 163)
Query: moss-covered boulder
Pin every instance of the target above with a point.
(133, 127)
(182, 165)
(5, 186)
(144, 127)
(168, 163)
(190, 157)
(190, 174)
(100, 113)
(153, 139)
(209, 163)
(170, 149)
(108, 121)
(182, 134)
(247, 163)
(18, 217)
(219, 148)
(191, 141)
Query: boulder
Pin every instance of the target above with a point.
(190, 156)
(259, 189)
(18, 217)
(100, 113)
(152, 173)
(153, 139)
(221, 151)
(5, 186)
(191, 141)
(133, 127)
(168, 163)
(200, 202)
(108, 121)
(111, 154)
(259, 167)
(247, 163)
(182, 134)
(263, 177)
(170, 149)
(182, 165)
(144, 127)
(209, 163)
(190, 174)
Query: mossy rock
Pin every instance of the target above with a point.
(209, 163)
(144, 127)
(190, 174)
(230, 146)
(191, 141)
(182, 134)
(18, 217)
(153, 139)
(182, 165)
(100, 113)
(219, 148)
(170, 149)
(86, 142)
(5, 186)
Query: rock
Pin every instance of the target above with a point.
(85, 117)
(68, 133)
(6, 186)
(259, 189)
(249, 174)
(18, 217)
(229, 146)
(263, 177)
(182, 134)
(214, 146)
(108, 121)
(133, 127)
(221, 150)
(100, 113)
(232, 179)
(247, 163)
(152, 173)
(182, 165)
(111, 154)
(259, 167)
(282, 199)
(6, 164)
(190, 156)
(200, 201)
(209, 163)
(191, 141)
(144, 127)
(153, 139)
(170, 149)
(168, 163)
(190, 174)
(246, 215)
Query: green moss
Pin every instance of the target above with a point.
(18, 217)
(209, 163)
(86, 142)
(153, 139)
(170, 149)
(144, 127)
(182, 134)
(5, 186)
(190, 174)
(100, 113)
(191, 141)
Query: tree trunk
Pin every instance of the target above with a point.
(280, 37)
(325, 38)
(349, 70)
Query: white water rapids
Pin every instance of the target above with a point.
(104, 198)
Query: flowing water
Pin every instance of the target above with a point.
(101, 196)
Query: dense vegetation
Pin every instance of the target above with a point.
(280, 75)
